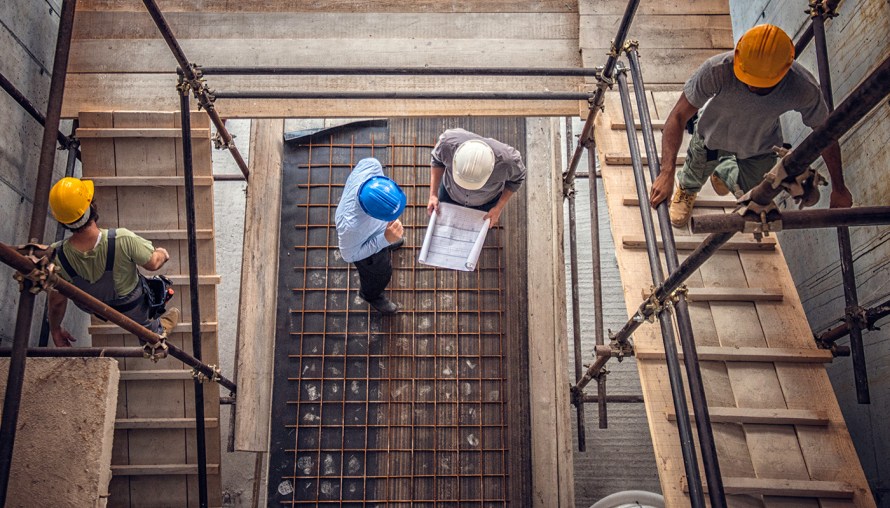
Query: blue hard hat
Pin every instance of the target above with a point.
(382, 198)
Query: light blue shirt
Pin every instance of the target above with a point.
(360, 235)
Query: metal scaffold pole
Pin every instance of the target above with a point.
(576, 297)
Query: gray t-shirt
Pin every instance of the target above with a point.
(738, 120)
(509, 171)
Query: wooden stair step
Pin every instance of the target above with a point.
(160, 469)
(162, 423)
(747, 354)
(766, 416)
(735, 295)
(183, 280)
(147, 181)
(700, 201)
(173, 234)
(692, 242)
(620, 125)
(140, 132)
(155, 375)
(623, 159)
(782, 488)
(107, 328)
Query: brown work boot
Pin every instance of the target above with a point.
(719, 185)
(169, 320)
(681, 206)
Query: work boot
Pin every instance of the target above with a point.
(169, 320)
(719, 185)
(681, 206)
(383, 304)
(397, 245)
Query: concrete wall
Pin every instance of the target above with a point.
(857, 43)
(27, 45)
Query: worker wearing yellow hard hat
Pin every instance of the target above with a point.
(104, 263)
(738, 97)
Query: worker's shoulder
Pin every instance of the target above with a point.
(801, 77)
(125, 233)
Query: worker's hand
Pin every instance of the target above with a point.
(394, 231)
(493, 215)
(61, 337)
(841, 198)
(432, 204)
(662, 188)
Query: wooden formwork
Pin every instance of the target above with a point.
(135, 161)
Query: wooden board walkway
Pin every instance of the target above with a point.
(153, 458)
(779, 431)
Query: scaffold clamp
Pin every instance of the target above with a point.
(201, 377)
(155, 351)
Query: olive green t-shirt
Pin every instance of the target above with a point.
(132, 251)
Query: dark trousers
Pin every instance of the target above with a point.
(445, 198)
(374, 272)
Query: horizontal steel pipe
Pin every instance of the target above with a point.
(12, 258)
(501, 96)
(872, 316)
(621, 399)
(802, 219)
(80, 352)
(396, 71)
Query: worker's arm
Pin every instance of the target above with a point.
(158, 258)
(436, 173)
(495, 213)
(55, 312)
(840, 195)
(671, 139)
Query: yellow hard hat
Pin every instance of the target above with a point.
(70, 200)
(763, 56)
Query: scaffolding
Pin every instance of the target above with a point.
(757, 214)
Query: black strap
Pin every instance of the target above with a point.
(109, 256)
(63, 259)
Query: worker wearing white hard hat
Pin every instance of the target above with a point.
(473, 171)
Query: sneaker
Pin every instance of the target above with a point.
(681, 207)
(397, 245)
(383, 304)
(169, 320)
(719, 186)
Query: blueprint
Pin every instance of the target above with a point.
(454, 238)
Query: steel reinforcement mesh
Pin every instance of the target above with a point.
(406, 410)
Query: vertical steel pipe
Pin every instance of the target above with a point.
(193, 289)
(25, 312)
(684, 324)
(605, 82)
(599, 327)
(690, 460)
(200, 94)
(848, 272)
(576, 298)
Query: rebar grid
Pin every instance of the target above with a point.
(403, 409)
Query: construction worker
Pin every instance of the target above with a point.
(475, 172)
(368, 228)
(746, 91)
(101, 262)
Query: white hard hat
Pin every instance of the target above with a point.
(473, 164)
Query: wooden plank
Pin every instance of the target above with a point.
(153, 56)
(691, 243)
(183, 280)
(551, 459)
(259, 275)
(762, 416)
(340, 6)
(173, 234)
(700, 202)
(328, 25)
(148, 181)
(620, 125)
(86, 133)
(785, 488)
(746, 354)
(624, 159)
(675, 7)
(660, 31)
(728, 294)
(161, 469)
(162, 423)
(152, 375)
(152, 92)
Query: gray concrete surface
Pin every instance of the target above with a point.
(62, 454)
(27, 45)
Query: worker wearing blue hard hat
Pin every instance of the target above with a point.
(368, 229)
